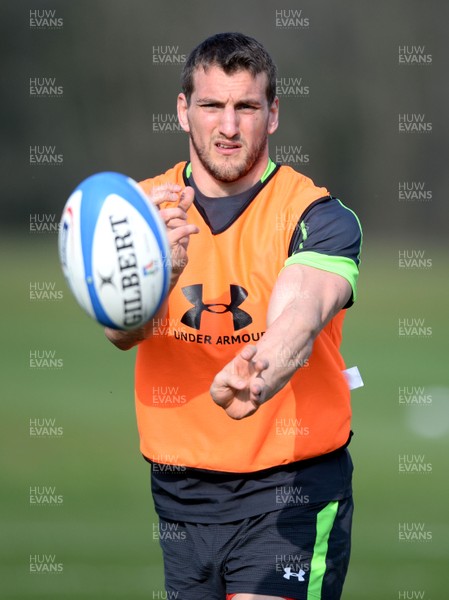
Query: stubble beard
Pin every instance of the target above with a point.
(229, 172)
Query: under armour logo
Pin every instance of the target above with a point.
(194, 294)
(288, 574)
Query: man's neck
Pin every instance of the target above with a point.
(213, 188)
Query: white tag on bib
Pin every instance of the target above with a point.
(353, 378)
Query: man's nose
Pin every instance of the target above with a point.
(229, 122)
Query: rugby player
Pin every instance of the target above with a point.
(242, 406)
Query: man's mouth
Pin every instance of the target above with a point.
(227, 147)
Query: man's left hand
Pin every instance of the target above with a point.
(239, 388)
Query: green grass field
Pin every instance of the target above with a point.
(102, 533)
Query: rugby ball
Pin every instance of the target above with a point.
(114, 251)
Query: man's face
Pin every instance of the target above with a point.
(228, 120)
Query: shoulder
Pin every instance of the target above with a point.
(332, 217)
(173, 175)
(294, 184)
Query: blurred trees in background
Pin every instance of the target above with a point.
(342, 91)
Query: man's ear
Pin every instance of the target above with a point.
(182, 112)
(273, 117)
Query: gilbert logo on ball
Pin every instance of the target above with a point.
(114, 251)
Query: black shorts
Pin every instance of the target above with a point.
(299, 552)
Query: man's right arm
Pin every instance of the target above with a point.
(178, 233)
(125, 340)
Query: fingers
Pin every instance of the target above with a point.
(168, 192)
(248, 352)
(176, 234)
(257, 392)
(260, 364)
(240, 388)
(234, 381)
(172, 192)
(224, 384)
(187, 197)
(173, 217)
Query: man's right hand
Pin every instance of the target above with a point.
(175, 219)
(178, 234)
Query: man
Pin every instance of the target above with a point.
(242, 406)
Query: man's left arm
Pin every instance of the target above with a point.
(303, 301)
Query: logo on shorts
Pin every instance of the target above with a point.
(288, 573)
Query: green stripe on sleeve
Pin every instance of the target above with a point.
(304, 234)
(189, 170)
(270, 168)
(324, 523)
(359, 224)
(341, 265)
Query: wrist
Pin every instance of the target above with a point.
(125, 340)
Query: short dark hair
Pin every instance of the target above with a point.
(231, 52)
